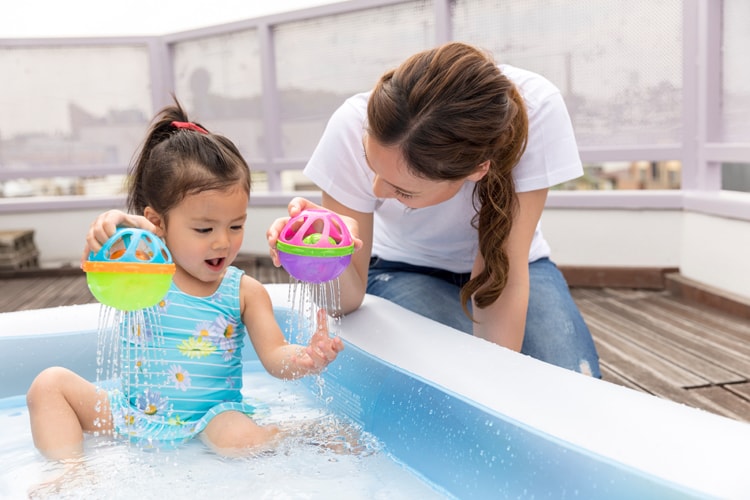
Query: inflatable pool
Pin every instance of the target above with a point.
(471, 418)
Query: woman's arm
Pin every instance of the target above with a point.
(504, 321)
(353, 281)
(280, 358)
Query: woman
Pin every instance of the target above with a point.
(442, 172)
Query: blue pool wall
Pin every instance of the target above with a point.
(475, 420)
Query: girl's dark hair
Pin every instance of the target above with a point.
(176, 161)
(448, 110)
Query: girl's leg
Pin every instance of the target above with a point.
(555, 330)
(62, 406)
(232, 434)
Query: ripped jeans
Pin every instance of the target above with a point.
(555, 331)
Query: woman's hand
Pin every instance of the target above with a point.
(105, 226)
(323, 348)
(296, 206)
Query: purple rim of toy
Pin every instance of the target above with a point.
(314, 269)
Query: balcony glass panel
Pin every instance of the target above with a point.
(218, 80)
(620, 76)
(71, 108)
(736, 72)
(322, 61)
(618, 64)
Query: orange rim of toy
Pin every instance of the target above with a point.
(127, 267)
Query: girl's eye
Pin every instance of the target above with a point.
(237, 228)
(203, 230)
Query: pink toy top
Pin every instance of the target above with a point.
(332, 230)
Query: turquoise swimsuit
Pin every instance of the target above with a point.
(181, 365)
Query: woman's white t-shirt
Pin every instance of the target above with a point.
(442, 236)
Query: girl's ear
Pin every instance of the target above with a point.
(480, 171)
(155, 219)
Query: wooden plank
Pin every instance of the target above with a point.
(691, 315)
(724, 402)
(636, 375)
(23, 293)
(699, 333)
(610, 374)
(653, 373)
(656, 339)
(690, 336)
(741, 390)
(699, 293)
(627, 277)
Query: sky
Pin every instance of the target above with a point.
(77, 18)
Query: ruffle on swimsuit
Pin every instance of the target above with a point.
(160, 432)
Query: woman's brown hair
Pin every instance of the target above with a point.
(448, 110)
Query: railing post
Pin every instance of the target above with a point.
(701, 93)
(271, 105)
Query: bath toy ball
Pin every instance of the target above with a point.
(315, 246)
(132, 270)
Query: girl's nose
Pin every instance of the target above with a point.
(221, 241)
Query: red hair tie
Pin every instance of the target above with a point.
(190, 126)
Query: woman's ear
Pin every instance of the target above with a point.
(155, 219)
(480, 171)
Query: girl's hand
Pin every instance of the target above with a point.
(322, 349)
(105, 226)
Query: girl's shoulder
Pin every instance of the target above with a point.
(251, 287)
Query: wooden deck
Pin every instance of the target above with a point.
(648, 340)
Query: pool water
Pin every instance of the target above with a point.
(301, 467)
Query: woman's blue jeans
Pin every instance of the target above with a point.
(555, 331)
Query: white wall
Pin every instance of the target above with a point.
(612, 237)
(716, 251)
(709, 249)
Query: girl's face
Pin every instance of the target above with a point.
(204, 233)
(394, 180)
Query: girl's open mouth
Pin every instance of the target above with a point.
(215, 264)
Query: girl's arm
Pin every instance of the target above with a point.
(280, 358)
(504, 321)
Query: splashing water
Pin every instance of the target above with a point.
(305, 299)
(127, 343)
(126, 338)
(314, 462)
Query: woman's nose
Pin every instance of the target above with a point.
(379, 188)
